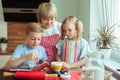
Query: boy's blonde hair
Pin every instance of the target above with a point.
(78, 26)
(33, 27)
(46, 10)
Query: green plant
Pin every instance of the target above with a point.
(106, 38)
(3, 40)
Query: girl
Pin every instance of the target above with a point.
(72, 48)
(28, 55)
(46, 15)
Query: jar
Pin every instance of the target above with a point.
(95, 66)
(87, 75)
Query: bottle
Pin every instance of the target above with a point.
(95, 66)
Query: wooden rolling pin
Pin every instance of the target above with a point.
(29, 75)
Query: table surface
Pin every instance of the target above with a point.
(75, 75)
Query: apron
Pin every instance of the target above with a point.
(49, 43)
(70, 52)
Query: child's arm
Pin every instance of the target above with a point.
(14, 62)
(79, 63)
(58, 58)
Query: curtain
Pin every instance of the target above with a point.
(110, 11)
(102, 12)
(111, 15)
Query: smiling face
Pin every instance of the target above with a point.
(69, 31)
(46, 14)
(33, 39)
(47, 22)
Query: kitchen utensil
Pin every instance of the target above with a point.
(29, 75)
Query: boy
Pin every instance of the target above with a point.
(28, 55)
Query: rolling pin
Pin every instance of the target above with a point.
(29, 75)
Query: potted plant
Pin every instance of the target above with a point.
(106, 40)
(3, 44)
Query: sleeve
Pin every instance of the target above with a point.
(18, 52)
(85, 49)
(59, 47)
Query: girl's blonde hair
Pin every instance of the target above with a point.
(78, 26)
(33, 27)
(46, 10)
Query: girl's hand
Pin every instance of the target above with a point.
(31, 56)
(66, 65)
(64, 69)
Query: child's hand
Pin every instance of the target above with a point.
(64, 69)
(31, 56)
(66, 65)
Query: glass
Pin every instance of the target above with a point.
(48, 19)
(56, 66)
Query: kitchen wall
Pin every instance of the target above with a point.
(3, 32)
(78, 8)
(3, 25)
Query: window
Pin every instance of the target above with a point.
(118, 9)
(115, 54)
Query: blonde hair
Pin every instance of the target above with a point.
(78, 26)
(46, 10)
(33, 27)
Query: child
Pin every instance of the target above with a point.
(28, 55)
(72, 48)
(46, 15)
